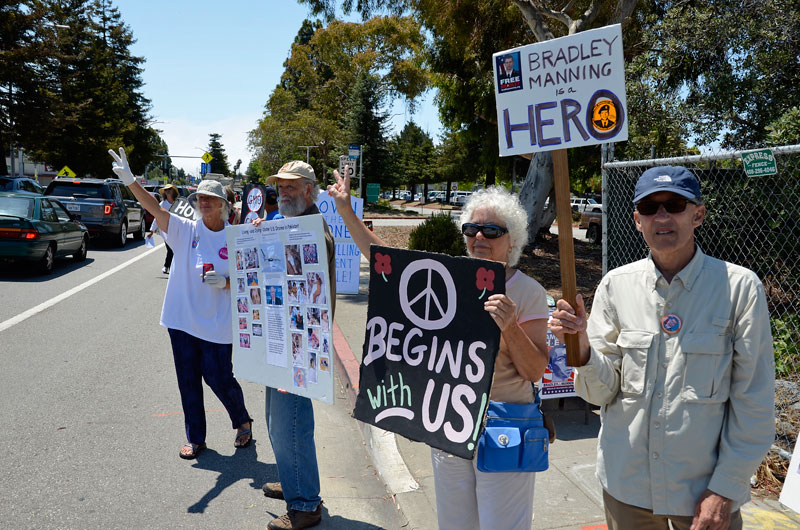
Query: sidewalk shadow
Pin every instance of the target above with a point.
(575, 424)
(241, 465)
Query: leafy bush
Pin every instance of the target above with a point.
(786, 341)
(439, 233)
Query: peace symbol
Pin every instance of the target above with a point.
(428, 295)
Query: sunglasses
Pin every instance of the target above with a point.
(488, 231)
(673, 205)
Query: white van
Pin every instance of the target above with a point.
(459, 198)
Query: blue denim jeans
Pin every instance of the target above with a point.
(290, 422)
(195, 360)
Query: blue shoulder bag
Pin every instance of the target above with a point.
(514, 439)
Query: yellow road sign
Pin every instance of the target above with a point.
(207, 158)
(66, 172)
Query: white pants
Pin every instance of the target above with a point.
(468, 499)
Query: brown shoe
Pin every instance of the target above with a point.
(273, 490)
(297, 520)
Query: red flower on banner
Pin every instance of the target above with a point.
(383, 264)
(484, 279)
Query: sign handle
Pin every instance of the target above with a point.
(566, 250)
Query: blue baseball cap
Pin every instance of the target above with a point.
(676, 179)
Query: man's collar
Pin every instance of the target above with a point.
(311, 210)
(686, 275)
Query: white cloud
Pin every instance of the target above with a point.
(189, 137)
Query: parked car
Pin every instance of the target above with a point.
(458, 198)
(581, 204)
(593, 223)
(148, 217)
(106, 206)
(20, 184)
(436, 196)
(38, 229)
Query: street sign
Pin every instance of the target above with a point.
(346, 161)
(204, 168)
(373, 190)
(207, 158)
(354, 151)
(759, 163)
(66, 172)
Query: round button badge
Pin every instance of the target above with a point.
(671, 323)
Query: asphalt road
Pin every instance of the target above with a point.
(92, 424)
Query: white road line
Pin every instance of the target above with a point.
(66, 294)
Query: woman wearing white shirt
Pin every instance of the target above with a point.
(170, 193)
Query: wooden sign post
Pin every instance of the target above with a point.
(557, 94)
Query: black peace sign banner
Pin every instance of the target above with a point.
(430, 347)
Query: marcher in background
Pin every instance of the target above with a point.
(495, 227)
(197, 306)
(290, 418)
(678, 352)
(170, 193)
(234, 217)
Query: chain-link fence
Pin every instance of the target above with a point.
(750, 221)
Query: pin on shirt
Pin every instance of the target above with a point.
(671, 323)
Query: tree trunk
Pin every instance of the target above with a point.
(490, 176)
(535, 190)
(3, 165)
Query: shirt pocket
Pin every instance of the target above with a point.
(707, 371)
(634, 345)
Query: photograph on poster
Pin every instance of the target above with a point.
(316, 288)
(326, 326)
(256, 314)
(242, 322)
(294, 265)
(241, 304)
(324, 364)
(240, 285)
(244, 340)
(312, 316)
(297, 291)
(297, 343)
(272, 259)
(326, 344)
(239, 261)
(257, 330)
(296, 318)
(255, 295)
(311, 374)
(313, 338)
(274, 294)
(298, 357)
(252, 279)
(251, 258)
(310, 254)
(299, 377)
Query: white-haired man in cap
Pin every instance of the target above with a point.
(290, 418)
(678, 353)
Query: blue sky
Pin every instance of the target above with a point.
(210, 67)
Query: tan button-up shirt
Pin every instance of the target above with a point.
(687, 404)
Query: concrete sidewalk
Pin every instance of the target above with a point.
(568, 496)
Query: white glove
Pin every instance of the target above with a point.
(215, 279)
(121, 167)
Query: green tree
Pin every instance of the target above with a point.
(412, 155)
(219, 164)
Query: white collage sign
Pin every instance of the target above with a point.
(281, 305)
(348, 257)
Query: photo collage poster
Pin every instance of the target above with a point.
(281, 299)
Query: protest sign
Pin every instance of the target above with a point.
(561, 93)
(430, 347)
(253, 202)
(790, 493)
(182, 208)
(559, 379)
(557, 94)
(348, 257)
(281, 300)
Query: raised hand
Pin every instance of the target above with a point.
(121, 167)
(340, 191)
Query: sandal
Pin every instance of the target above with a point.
(237, 443)
(196, 448)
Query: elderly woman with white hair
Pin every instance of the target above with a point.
(197, 308)
(495, 227)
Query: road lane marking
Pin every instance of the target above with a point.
(66, 294)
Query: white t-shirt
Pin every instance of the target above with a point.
(189, 304)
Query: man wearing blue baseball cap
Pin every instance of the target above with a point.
(678, 353)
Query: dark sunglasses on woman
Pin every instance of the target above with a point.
(488, 231)
(673, 205)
